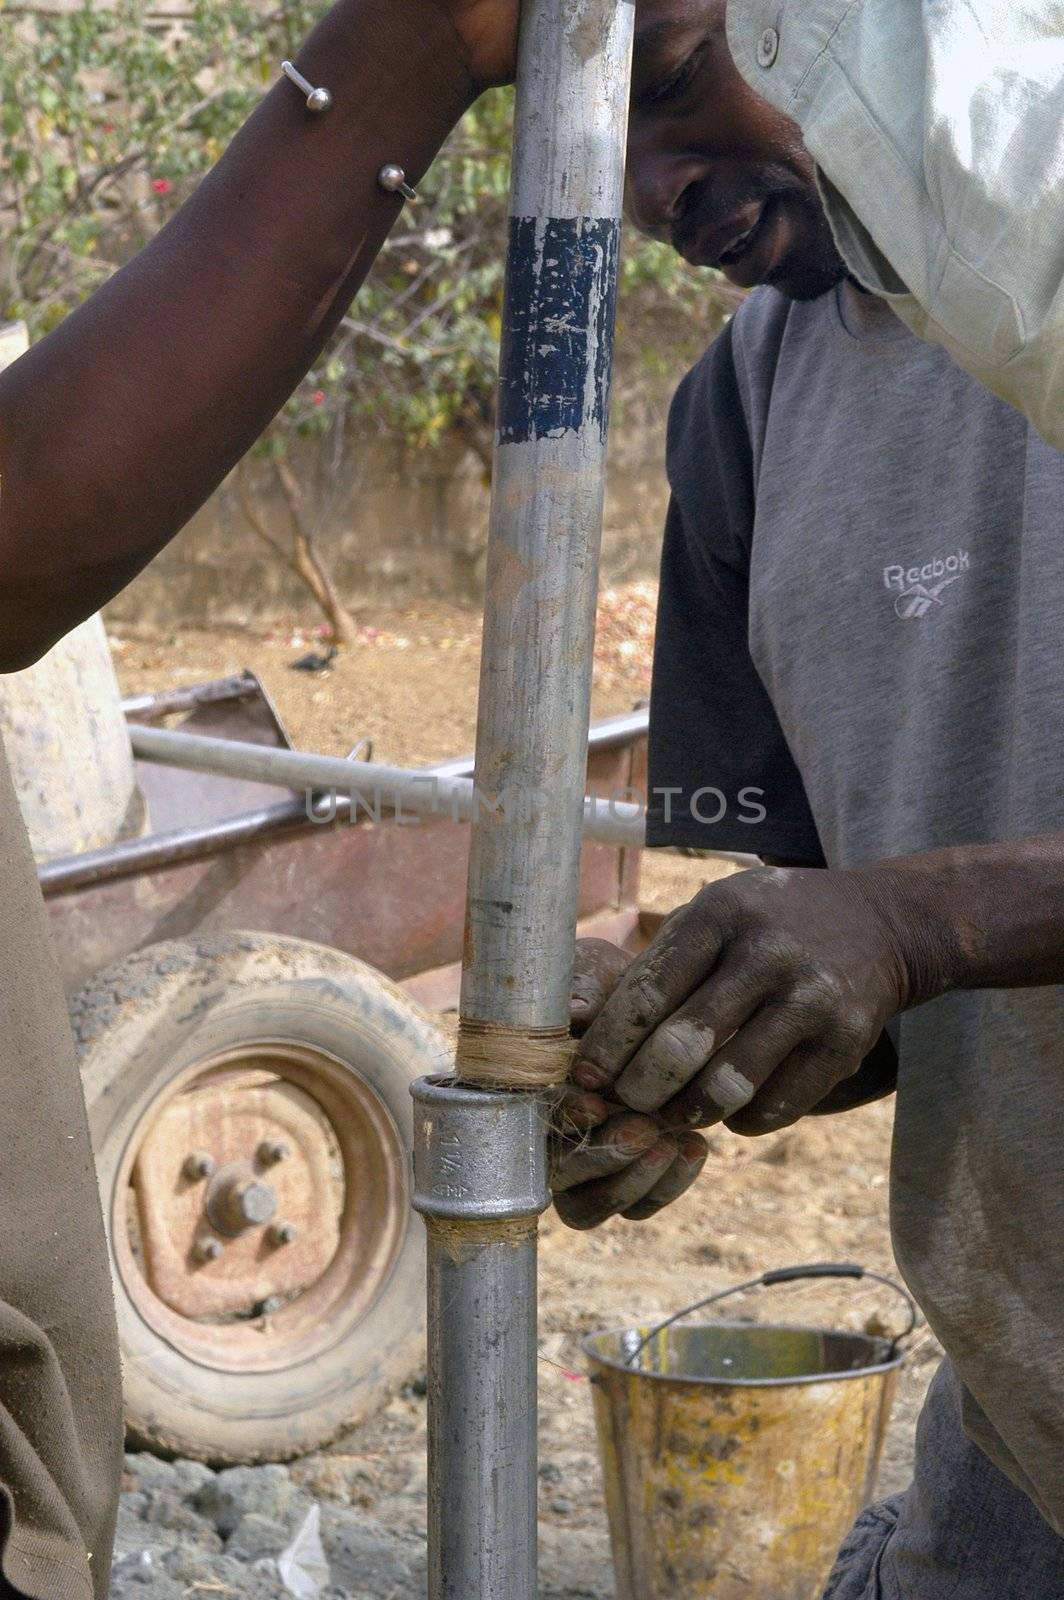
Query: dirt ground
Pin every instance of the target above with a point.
(814, 1193)
(409, 683)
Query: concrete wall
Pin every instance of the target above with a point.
(394, 524)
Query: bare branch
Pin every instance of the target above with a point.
(306, 561)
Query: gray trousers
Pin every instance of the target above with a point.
(961, 1531)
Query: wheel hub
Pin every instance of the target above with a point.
(236, 1201)
(239, 1193)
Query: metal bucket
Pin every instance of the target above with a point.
(736, 1456)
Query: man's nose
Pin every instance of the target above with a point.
(657, 187)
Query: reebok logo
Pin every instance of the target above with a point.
(919, 589)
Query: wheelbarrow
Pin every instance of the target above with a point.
(253, 976)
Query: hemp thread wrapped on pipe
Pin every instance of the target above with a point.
(495, 1057)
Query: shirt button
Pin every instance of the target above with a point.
(768, 48)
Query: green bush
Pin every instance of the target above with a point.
(111, 116)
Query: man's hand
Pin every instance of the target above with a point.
(753, 1003)
(609, 1161)
(761, 1001)
(766, 998)
(487, 31)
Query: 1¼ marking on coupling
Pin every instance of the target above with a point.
(557, 338)
(450, 1152)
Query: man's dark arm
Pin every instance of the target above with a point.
(116, 428)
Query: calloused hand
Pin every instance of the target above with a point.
(608, 1160)
(755, 1001)
(763, 1000)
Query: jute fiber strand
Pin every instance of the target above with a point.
(495, 1057)
(464, 1239)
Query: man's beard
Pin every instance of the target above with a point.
(819, 268)
(805, 273)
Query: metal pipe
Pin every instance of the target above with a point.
(376, 787)
(535, 690)
(546, 517)
(608, 733)
(63, 874)
(480, 1181)
(131, 857)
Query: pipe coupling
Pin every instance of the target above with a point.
(479, 1154)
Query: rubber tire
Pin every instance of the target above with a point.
(142, 1022)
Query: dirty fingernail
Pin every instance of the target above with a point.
(591, 1108)
(637, 1142)
(729, 1089)
(579, 1118)
(588, 1076)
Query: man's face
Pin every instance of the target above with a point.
(712, 169)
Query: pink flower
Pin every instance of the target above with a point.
(108, 126)
(161, 185)
(319, 397)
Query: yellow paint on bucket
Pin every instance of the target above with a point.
(735, 1456)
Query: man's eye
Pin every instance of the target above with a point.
(678, 82)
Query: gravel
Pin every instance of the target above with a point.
(186, 1531)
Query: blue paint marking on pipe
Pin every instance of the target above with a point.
(557, 338)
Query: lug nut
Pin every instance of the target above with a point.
(273, 1150)
(197, 1166)
(207, 1249)
(283, 1233)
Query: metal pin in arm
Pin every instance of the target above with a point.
(317, 99)
(393, 179)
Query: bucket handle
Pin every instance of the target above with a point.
(768, 1280)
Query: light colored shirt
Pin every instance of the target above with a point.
(937, 127)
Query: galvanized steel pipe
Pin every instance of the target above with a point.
(535, 690)
(480, 1181)
(546, 521)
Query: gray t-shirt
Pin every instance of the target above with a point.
(861, 617)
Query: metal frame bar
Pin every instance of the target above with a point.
(187, 697)
(480, 1159)
(195, 843)
(154, 852)
(376, 786)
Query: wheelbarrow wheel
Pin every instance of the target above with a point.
(248, 1099)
